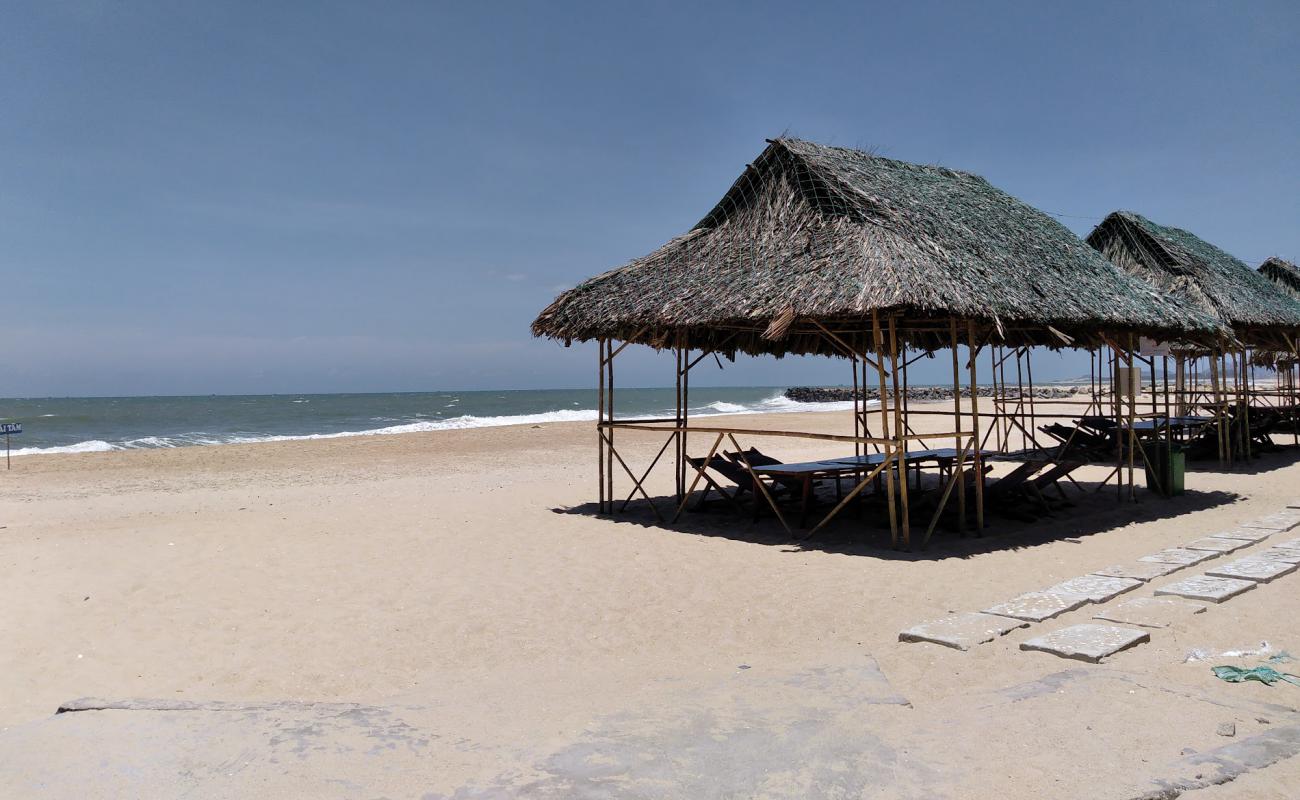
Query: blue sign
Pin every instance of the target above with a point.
(11, 427)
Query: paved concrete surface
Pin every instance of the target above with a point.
(1224, 764)
(1179, 555)
(1038, 606)
(1139, 570)
(1281, 521)
(1250, 534)
(1097, 588)
(1286, 554)
(1151, 612)
(1253, 568)
(1087, 641)
(961, 631)
(1208, 588)
(817, 733)
(1218, 544)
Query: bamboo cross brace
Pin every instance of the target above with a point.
(1110, 475)
(699, 473)
(625, 343)
(957, 473)
(758, 484)
(624, 465)
(889, 456)
(1028, 433)
(646, 474)
(844, 345)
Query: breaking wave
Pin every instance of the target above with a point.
(775, 404)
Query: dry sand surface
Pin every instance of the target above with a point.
(462, 571)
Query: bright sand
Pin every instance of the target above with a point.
(440, 567)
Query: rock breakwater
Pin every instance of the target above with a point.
(831, 394)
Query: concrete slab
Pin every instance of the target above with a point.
(962, 631)
(1249, 534)
(724, 738)
(1281, 521)
(1097, 588)
(1139, 570)
(1151, 612)
(1179, 555)
(1227, 763)
(836, 730)
(1087, 642)
(1204, 587)
(1253, 568)
(1289, 544)
(1218, 544)
(1038, 606)
(1280, 554)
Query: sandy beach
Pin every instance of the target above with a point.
(463, 572)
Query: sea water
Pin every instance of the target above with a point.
(94, 424)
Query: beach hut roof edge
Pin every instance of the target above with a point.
(832, 235)
(1283, 274)
(1196, 272)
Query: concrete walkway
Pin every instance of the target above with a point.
(834, 732)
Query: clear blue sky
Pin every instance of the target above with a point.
(236, 197)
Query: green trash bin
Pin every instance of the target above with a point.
(1166, 465)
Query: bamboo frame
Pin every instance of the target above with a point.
(1016, 413)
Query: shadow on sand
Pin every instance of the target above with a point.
(863, 528)
(1279, 457)
(866, 533)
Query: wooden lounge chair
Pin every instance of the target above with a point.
(733, 472)
(755, 458)
(759, 459)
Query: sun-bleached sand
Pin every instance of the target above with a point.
(464, 571)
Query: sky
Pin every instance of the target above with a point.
(201, 197)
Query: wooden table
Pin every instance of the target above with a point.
(806, 472)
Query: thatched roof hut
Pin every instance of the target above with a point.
(1286, 277)
(1199, 274)
(1283, 274)
(834, 234)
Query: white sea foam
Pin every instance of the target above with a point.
(728, 408)
(777, 404)
(92, 446)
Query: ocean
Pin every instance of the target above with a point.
(97, 424)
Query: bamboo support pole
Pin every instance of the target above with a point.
(899, 436)
(609, 415)
(679, 460)
(977, 458)
(956, 419)
(878, 338)
(686, 400)
(600, 421)
(857, 410)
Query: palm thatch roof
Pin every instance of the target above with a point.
(1283, 274)
(829, 234)
(1200, 274)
